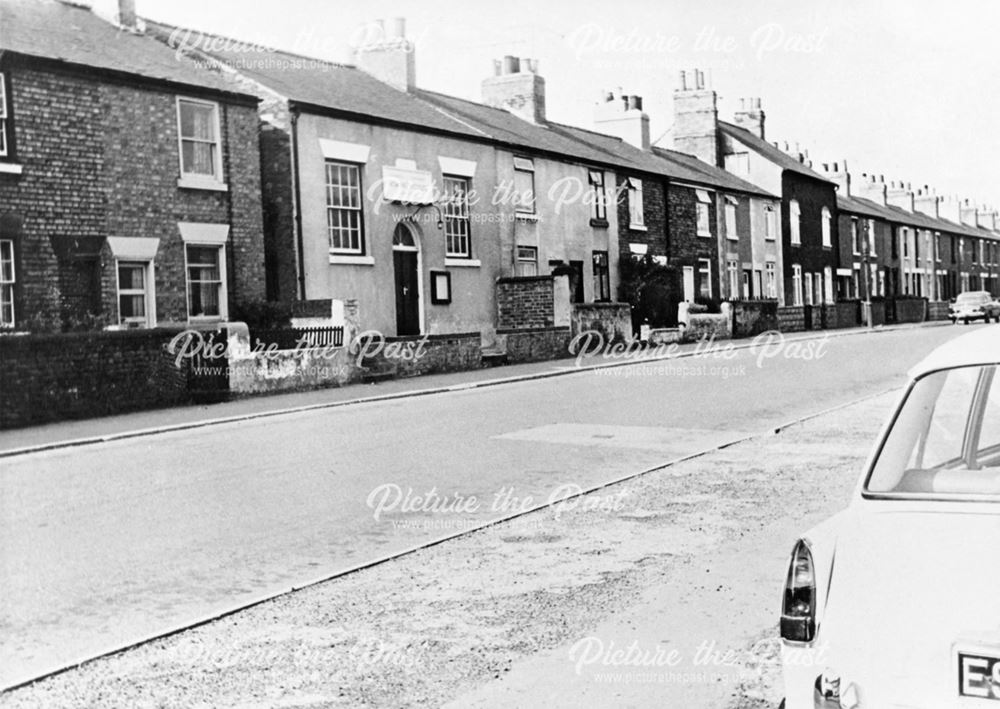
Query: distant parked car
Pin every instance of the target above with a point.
(895, 602)
(973, 305)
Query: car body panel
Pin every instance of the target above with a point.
(904, 585)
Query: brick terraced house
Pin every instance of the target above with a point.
(129, 178)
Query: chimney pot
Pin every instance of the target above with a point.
(398, 28)
(509, 64)
(126, 14)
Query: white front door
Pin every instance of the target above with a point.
(689, 284)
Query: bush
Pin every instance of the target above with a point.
(650, 288)
(711, 305)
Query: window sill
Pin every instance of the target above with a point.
(352, 260)
(601, 223)
(796, 243)
(525, 217)
(637, 227)
(705, 234)
(11, 168)
(463, 262)
(194, 183)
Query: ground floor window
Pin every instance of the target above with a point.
(7, 283)
(705, 278)
(134, 293)
(771, 274)
(732, 274)
(796, 284)
(602, 277)
(527, 261)
(205, 283)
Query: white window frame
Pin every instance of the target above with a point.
(7, 285)
(771, 278)
(770, 223)
(521, 260)
(797, 285)
(733, 276)
(4, 138)
(636, 218)
(599, 210)
(223, 291)
(705, 267)
(456, 212)
(730, 210)
(703, 213)
(855, 240)
(148, 292)
(872, 239)
(827, 227)
(794, 222)
(359, 209)
(191, 180)
(525, 166)
(828, 284)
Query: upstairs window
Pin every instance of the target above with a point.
(4, 140)
(793, 222)
(937, 247)
(770, 223)
(731, 219)
(457, 230)
(200, 149)
(827, 228)
(343, 208)
(871, 237)
(635, 215)
(524, 186)
(599, 209)
(704, 205)
(7, 281)
(855, 242)
(527, 260)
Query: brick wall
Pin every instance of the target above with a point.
(278, 208)
(612, 320)
(937, 311)
(654, 212)
(101, 159)
(684, 244)
(812, 195)
(432, 354)
(754, 317)
(525, 302)
(791, 318)
(536, 345)
(80, 375)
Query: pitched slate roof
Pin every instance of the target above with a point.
(55, 30)
(319, 84)
(897, 215)
(769, 151)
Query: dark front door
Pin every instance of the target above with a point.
(407, 305)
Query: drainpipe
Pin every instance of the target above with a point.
(231, 277)
(297, 205)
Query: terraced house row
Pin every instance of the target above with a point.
(152, 175)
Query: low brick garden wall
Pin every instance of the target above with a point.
(47, 378)
(612, 320)
(752, 317)
(535, 345)
(791, 318)
(525, 302)
(426, 354)
(910, 310)
(937, 310)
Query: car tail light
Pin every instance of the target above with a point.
(798, 611)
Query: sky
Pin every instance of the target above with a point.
(906, 89)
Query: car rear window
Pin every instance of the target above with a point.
(945, 440)
(971, 297)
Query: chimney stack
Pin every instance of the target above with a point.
(968, 214)
(517, 88)
(872, 188)
(987, 218)
(622, 116)
(900, 195)
(750, 116)
(387, 55)
(837, 172)
(126, 15)
(950, 208)
(696, 116)
(927, 202)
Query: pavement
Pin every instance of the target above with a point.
(112, 543)
(80, 432)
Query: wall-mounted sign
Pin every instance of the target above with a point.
(440, 287)
(400, 184)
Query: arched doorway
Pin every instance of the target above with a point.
(406, 262)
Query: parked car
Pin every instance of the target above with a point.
(973, 305)
(895, 601)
